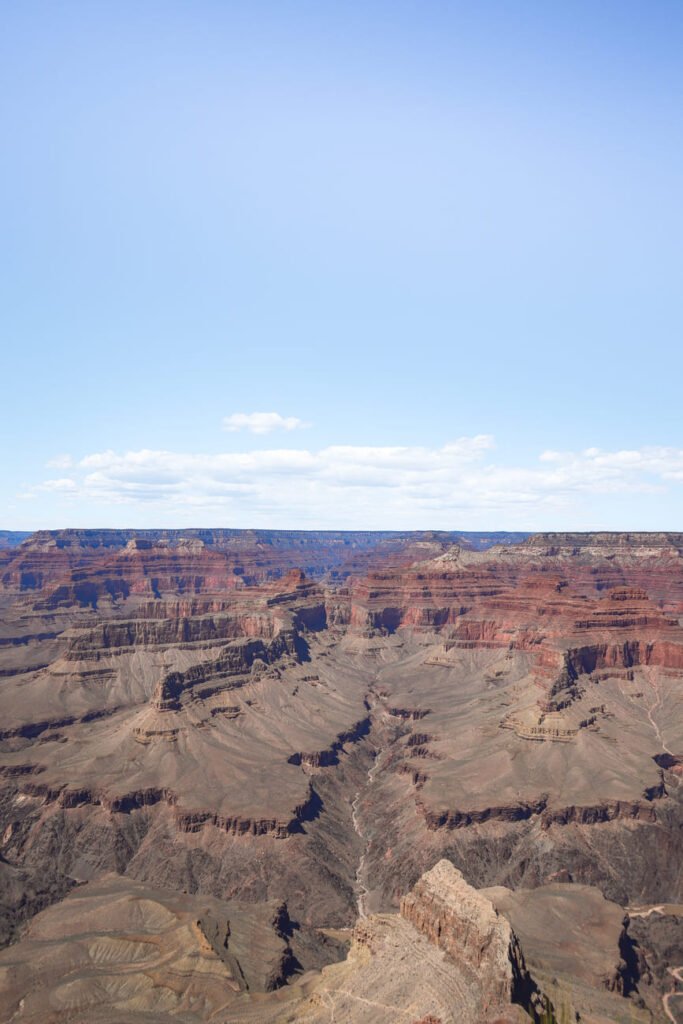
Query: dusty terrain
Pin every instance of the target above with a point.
(288, 731)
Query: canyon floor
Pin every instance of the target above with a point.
(327, 777)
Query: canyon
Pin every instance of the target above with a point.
(328, 776)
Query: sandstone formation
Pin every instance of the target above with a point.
(448, 957)
(468, 928)
(33, 561)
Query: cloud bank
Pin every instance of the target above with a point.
(458, 485)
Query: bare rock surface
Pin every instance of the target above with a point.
(117, 950)
(464, 923)
(448, 956)
(578, 946)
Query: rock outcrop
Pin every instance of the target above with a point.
(447, 957)
(466, 926)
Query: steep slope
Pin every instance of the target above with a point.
(116, 949)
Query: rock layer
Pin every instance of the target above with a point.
(466, 926)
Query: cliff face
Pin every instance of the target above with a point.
(467, 927)
(458, 955)
(492, 598)
(449, 958)
(89, 564)
(611, 604)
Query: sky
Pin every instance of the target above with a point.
(407, 265)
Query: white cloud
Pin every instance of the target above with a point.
(261, 422)
(66, 485)
(398, 487)
(60, 462)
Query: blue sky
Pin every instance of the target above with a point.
(438, 243)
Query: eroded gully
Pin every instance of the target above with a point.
(361, 887)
